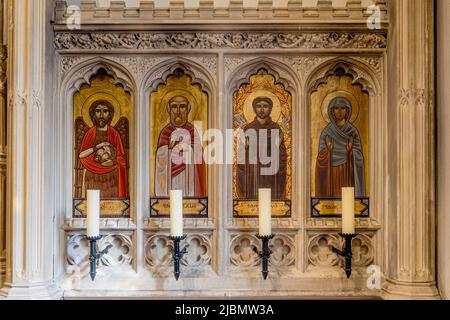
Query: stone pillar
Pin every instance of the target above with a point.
(443, 147)
(3, 56)
(410, 223)
(29, 227)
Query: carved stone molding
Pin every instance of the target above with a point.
(252, 223)
(264, 11)
(359, 75)
(336, 223)
(226, 40)
(106, 223)
(158, 250)
(164, 224)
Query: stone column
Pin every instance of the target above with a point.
(3, 56)
(443, 147)
(410, 223)
(29, 234)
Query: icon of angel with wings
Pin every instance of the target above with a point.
(102, 153)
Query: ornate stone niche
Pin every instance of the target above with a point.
(222, 253)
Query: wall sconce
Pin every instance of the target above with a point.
(347, 253)
(93, 230)
(348, 228)
(265, 254)
(176, 229)
(177, 254)
(94, 255)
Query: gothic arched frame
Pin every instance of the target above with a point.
(284, 75)
(371, 82)
(72, 82)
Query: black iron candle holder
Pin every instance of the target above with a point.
(177, 254)
(347, 253)
(265, 254)
(94, 255)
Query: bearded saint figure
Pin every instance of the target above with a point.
(102, 157)
(179, 155)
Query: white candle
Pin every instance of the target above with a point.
(265, 212)
(176, 213)
(348, 210)
(93, 213)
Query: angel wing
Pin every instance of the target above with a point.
(80, 131)
(123, 127)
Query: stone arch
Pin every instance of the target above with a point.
(371, 81)
(73, 80)
(156, 76)
(159, 74)
(288, 78)
(361, 73)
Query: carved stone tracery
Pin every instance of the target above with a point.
(230, 40)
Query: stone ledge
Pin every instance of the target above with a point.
(148, 13)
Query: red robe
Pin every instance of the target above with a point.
(91, 165)
(200, 169)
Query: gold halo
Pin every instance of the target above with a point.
(249, 113)
(179, 92)
(344, 94)
(100, 96)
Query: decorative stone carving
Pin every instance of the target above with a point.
(199, 251)
(67, 62)
(252, 223)
(320, 253)
(336, 223)
(244, 250)
(208, 61)
(120, 250)
(232, 62)
(232, 40)
(138, 66)
(77, 251)
(161, 224)
(375, 62)
(303, 65)
(283, 251)
(110, 223)
(158, 250)
(363, 255)
(158, 254)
